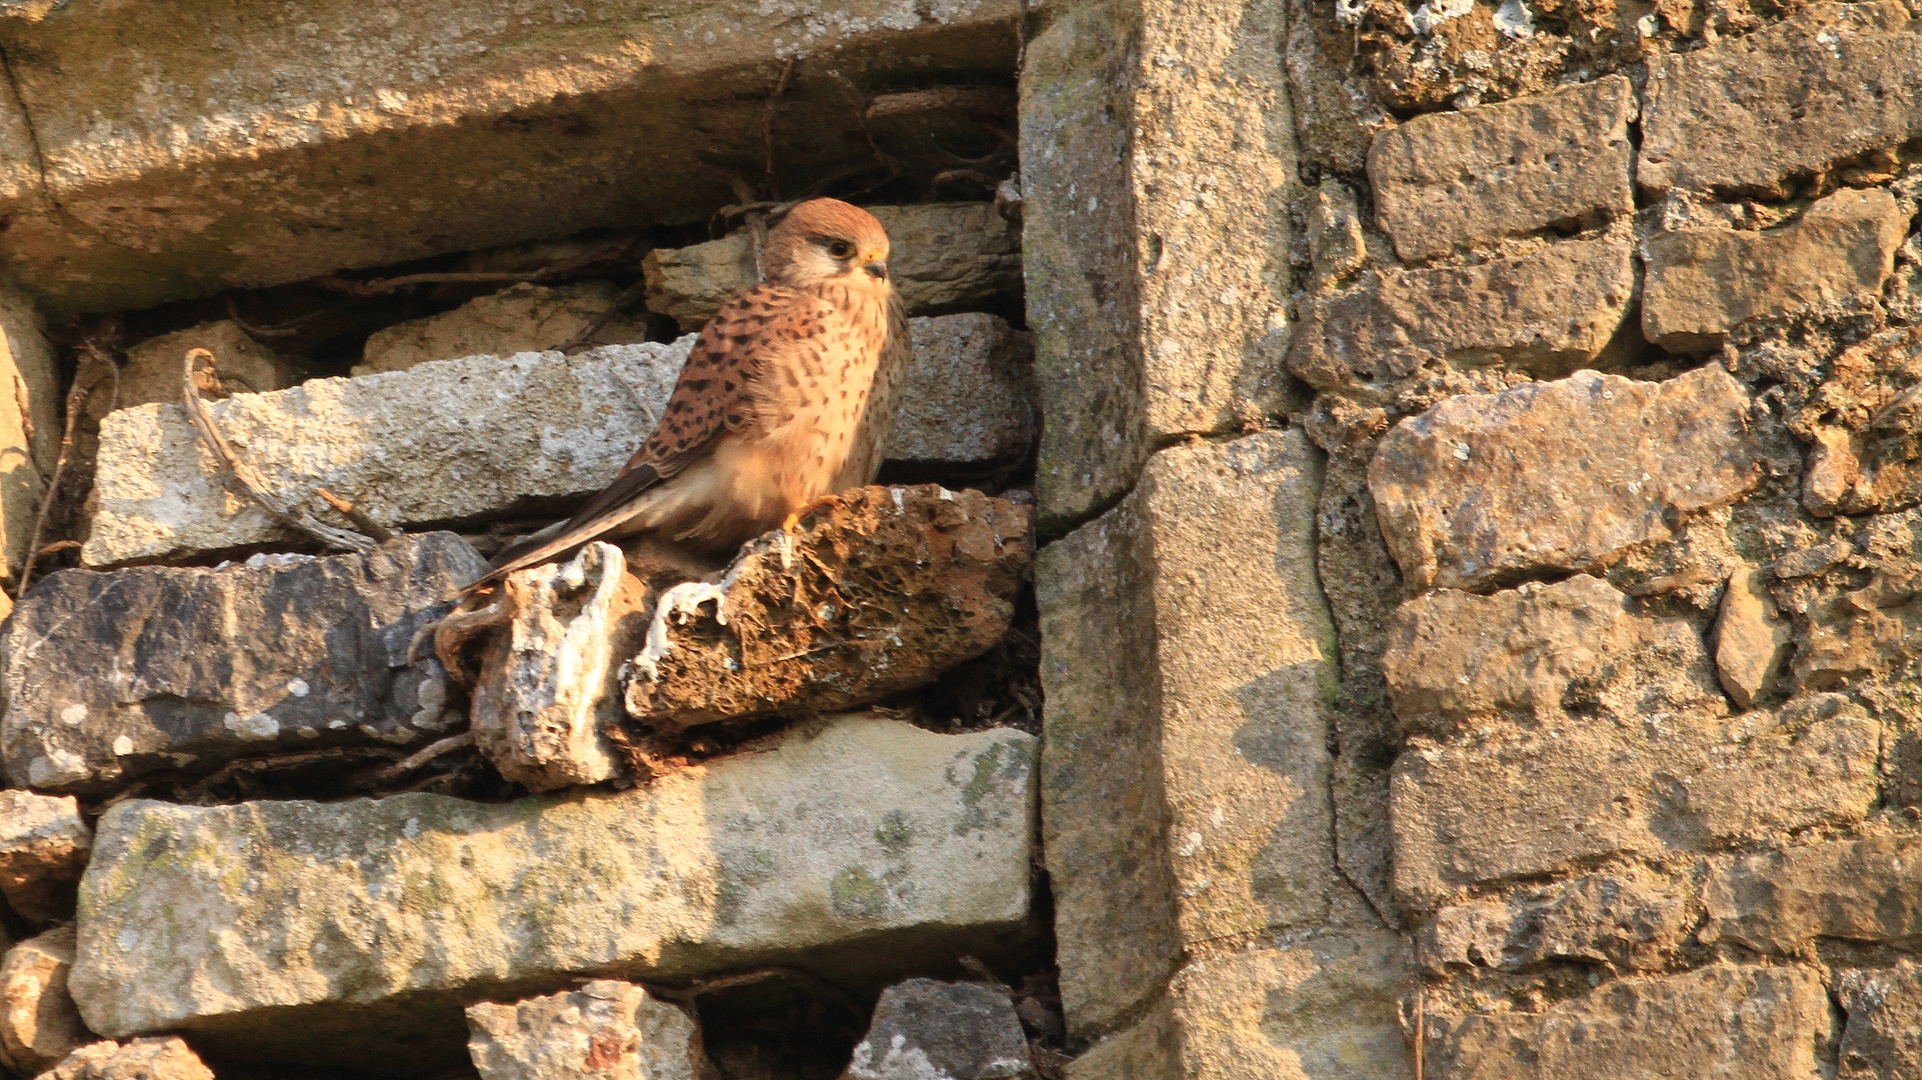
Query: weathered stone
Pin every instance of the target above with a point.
(165, 1058)
(1867, 890)
(1752, 640)
(1448, 181)
(29, 420)
(929, 1030)
(1337, 247)
(550, 685)
(1188, 659)
(1558, 476)
(1508, 802)
(1720, 1022)
(44, 845)
(943, 256)
(1850, 634)
(113, 675)
(152, 372)
(1704, 283)
(1455, 660)
(851, 848)
(520, 318)
(38, 1022)
(1763, 112)
(440, 443)
(969, 393)
(1598, 918)
(1324, 1006)
(1861, 423)
(334, 137)
(606, 1030)
(881, 592)
(1545, 313)
(1882, 1039)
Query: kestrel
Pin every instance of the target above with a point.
(787, 397)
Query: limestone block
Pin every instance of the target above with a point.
(1561, 475)
(113, 675)
(1780, 902)
(969, 393)
(549, 683)
(44, 845)
(167, 1057)
(1448, 181)
(1188, 659)
(331, 137)
(1721, 1022)
(879, 593)
(1546, 313)
(1705, 282)
(1755, 114)
(1323, 1006)
(152, 373)
(1882, 1039)
(364, 926)
(942, 256)
(1456, 659)
(1752, 639)
(606, 1030)
(929, 1030)
(38, 1022)
(520, 318)
(29, 416)
(1596, 918)
(1510, 802)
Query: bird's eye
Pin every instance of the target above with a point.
(840, 249)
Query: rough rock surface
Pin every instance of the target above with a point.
(1558, 476)
(606, 1030)
(112, 675)
(1861, 423)
(1867, 890)
(878, 593)
(944, 255)
(167, 1057)
(1752, 639)
(44, 846)
(1704, 283)
(1882, 1039)
(1720, 1022)
(1449, 181)
(363, 927)
(242, 363)
(1546, 313)
(929, 1030)
(969, 395)
(1762, 112)
(29, 422)
(38, 1022)
(520, 318)
(1598, 918)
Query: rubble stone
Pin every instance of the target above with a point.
(152, 373)
(520, 318)
(878, 593)
(39, 1025)
(1597, 918)
(1455, 659)
(1882, 1039)
(606, 1030)
(1849, 634)
(113, 675)
(29, 421)
(365, 926)
(944, 255)
(1546, 313)
(44, 845)
(929, 1030)
(1720, 1022)
(165, 1058)
(1861, 421)
(1337, 247)
(1867, 890)
(969, 393)
(1761, 112)
(1558, 476)
(1704, 283)
(1448, 181)
(1510, 802)
(1752, 640)
(1186, 751)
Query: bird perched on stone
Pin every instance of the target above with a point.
(787, 397)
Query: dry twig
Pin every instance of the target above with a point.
(432, 750)
(375, 529)
(242, 476)
(628, 296)
(983, 101)
(76, 400)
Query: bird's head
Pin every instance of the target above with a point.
(825, 240)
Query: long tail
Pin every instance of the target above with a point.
(613, 507)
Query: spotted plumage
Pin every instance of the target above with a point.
(788, 395)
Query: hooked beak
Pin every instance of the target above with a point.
(877, 270)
